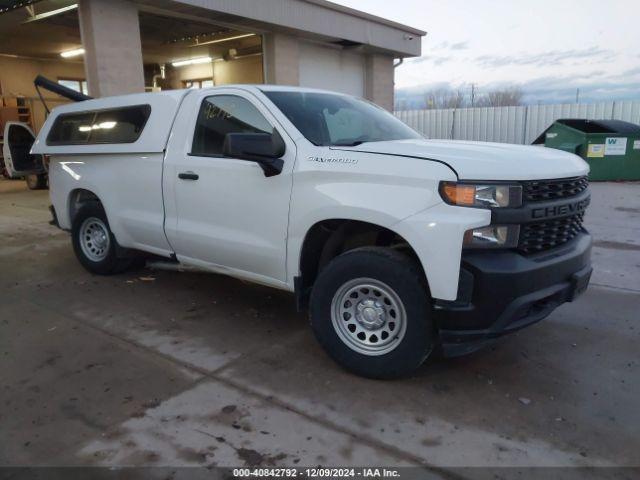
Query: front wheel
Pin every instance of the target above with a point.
(95, 245)
(371, 311)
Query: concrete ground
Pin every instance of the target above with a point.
(174, 368)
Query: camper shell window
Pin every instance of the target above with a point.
(116, 125)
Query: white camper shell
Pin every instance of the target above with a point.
(154, 134)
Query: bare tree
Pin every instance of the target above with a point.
(444, 98)
(505, 97)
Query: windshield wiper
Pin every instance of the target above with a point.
(352, 143)
(348, 144)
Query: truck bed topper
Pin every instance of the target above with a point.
(91, 115)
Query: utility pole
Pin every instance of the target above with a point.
(577, 95)
(473, 95)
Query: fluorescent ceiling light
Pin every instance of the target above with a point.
(97, 126)
(191, 61)
(220, 40)
(42, 16)
(72, 53)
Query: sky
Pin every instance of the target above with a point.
(549, 48)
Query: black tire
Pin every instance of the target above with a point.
(406, 280)
(36, 182)
(116, 259)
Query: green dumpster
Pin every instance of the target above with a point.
(610, 147)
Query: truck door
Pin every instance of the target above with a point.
(18, 140)
(224, 213)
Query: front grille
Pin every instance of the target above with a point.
(543, 190)
(541, 236)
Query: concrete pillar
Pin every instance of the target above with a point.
(378, 83)
(281, 59)
(110, 32)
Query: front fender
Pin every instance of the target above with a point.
(436, 235)
(371, 192)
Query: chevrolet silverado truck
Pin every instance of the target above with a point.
(398, 246)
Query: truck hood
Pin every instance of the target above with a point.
(483, 160)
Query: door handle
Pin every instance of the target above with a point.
(188, 176)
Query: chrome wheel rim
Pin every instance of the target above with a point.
(94, 239)
(368, 316)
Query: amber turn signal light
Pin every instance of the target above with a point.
(459, 194)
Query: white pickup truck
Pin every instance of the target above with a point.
(398, 245)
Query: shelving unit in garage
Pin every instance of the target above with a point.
(16, 109)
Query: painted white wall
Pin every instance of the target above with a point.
(331, 69)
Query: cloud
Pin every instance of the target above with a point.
(441, 53)
(550, 58)
(459, 46)
(420, 89)
(632, 71)
(437, 60)
(456, 46)
(445, 52)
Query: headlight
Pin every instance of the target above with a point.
(492, 236)
(481, 195)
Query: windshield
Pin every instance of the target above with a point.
(338, 120)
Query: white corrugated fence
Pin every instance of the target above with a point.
(511, 124)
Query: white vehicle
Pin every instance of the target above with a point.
(17, 161)
(398, 245)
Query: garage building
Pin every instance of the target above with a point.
(110, 47)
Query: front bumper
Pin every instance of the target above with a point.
(501, 292)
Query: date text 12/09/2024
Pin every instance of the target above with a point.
(316, 472)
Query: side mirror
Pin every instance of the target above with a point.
(263, 148)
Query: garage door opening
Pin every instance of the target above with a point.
(43, 38)
(180, 54)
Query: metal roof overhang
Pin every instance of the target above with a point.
(315, 19)
(318, 19)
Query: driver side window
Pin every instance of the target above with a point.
(222, 114)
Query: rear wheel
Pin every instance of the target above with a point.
(95, 245)
(36, 182)
(371, 311)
